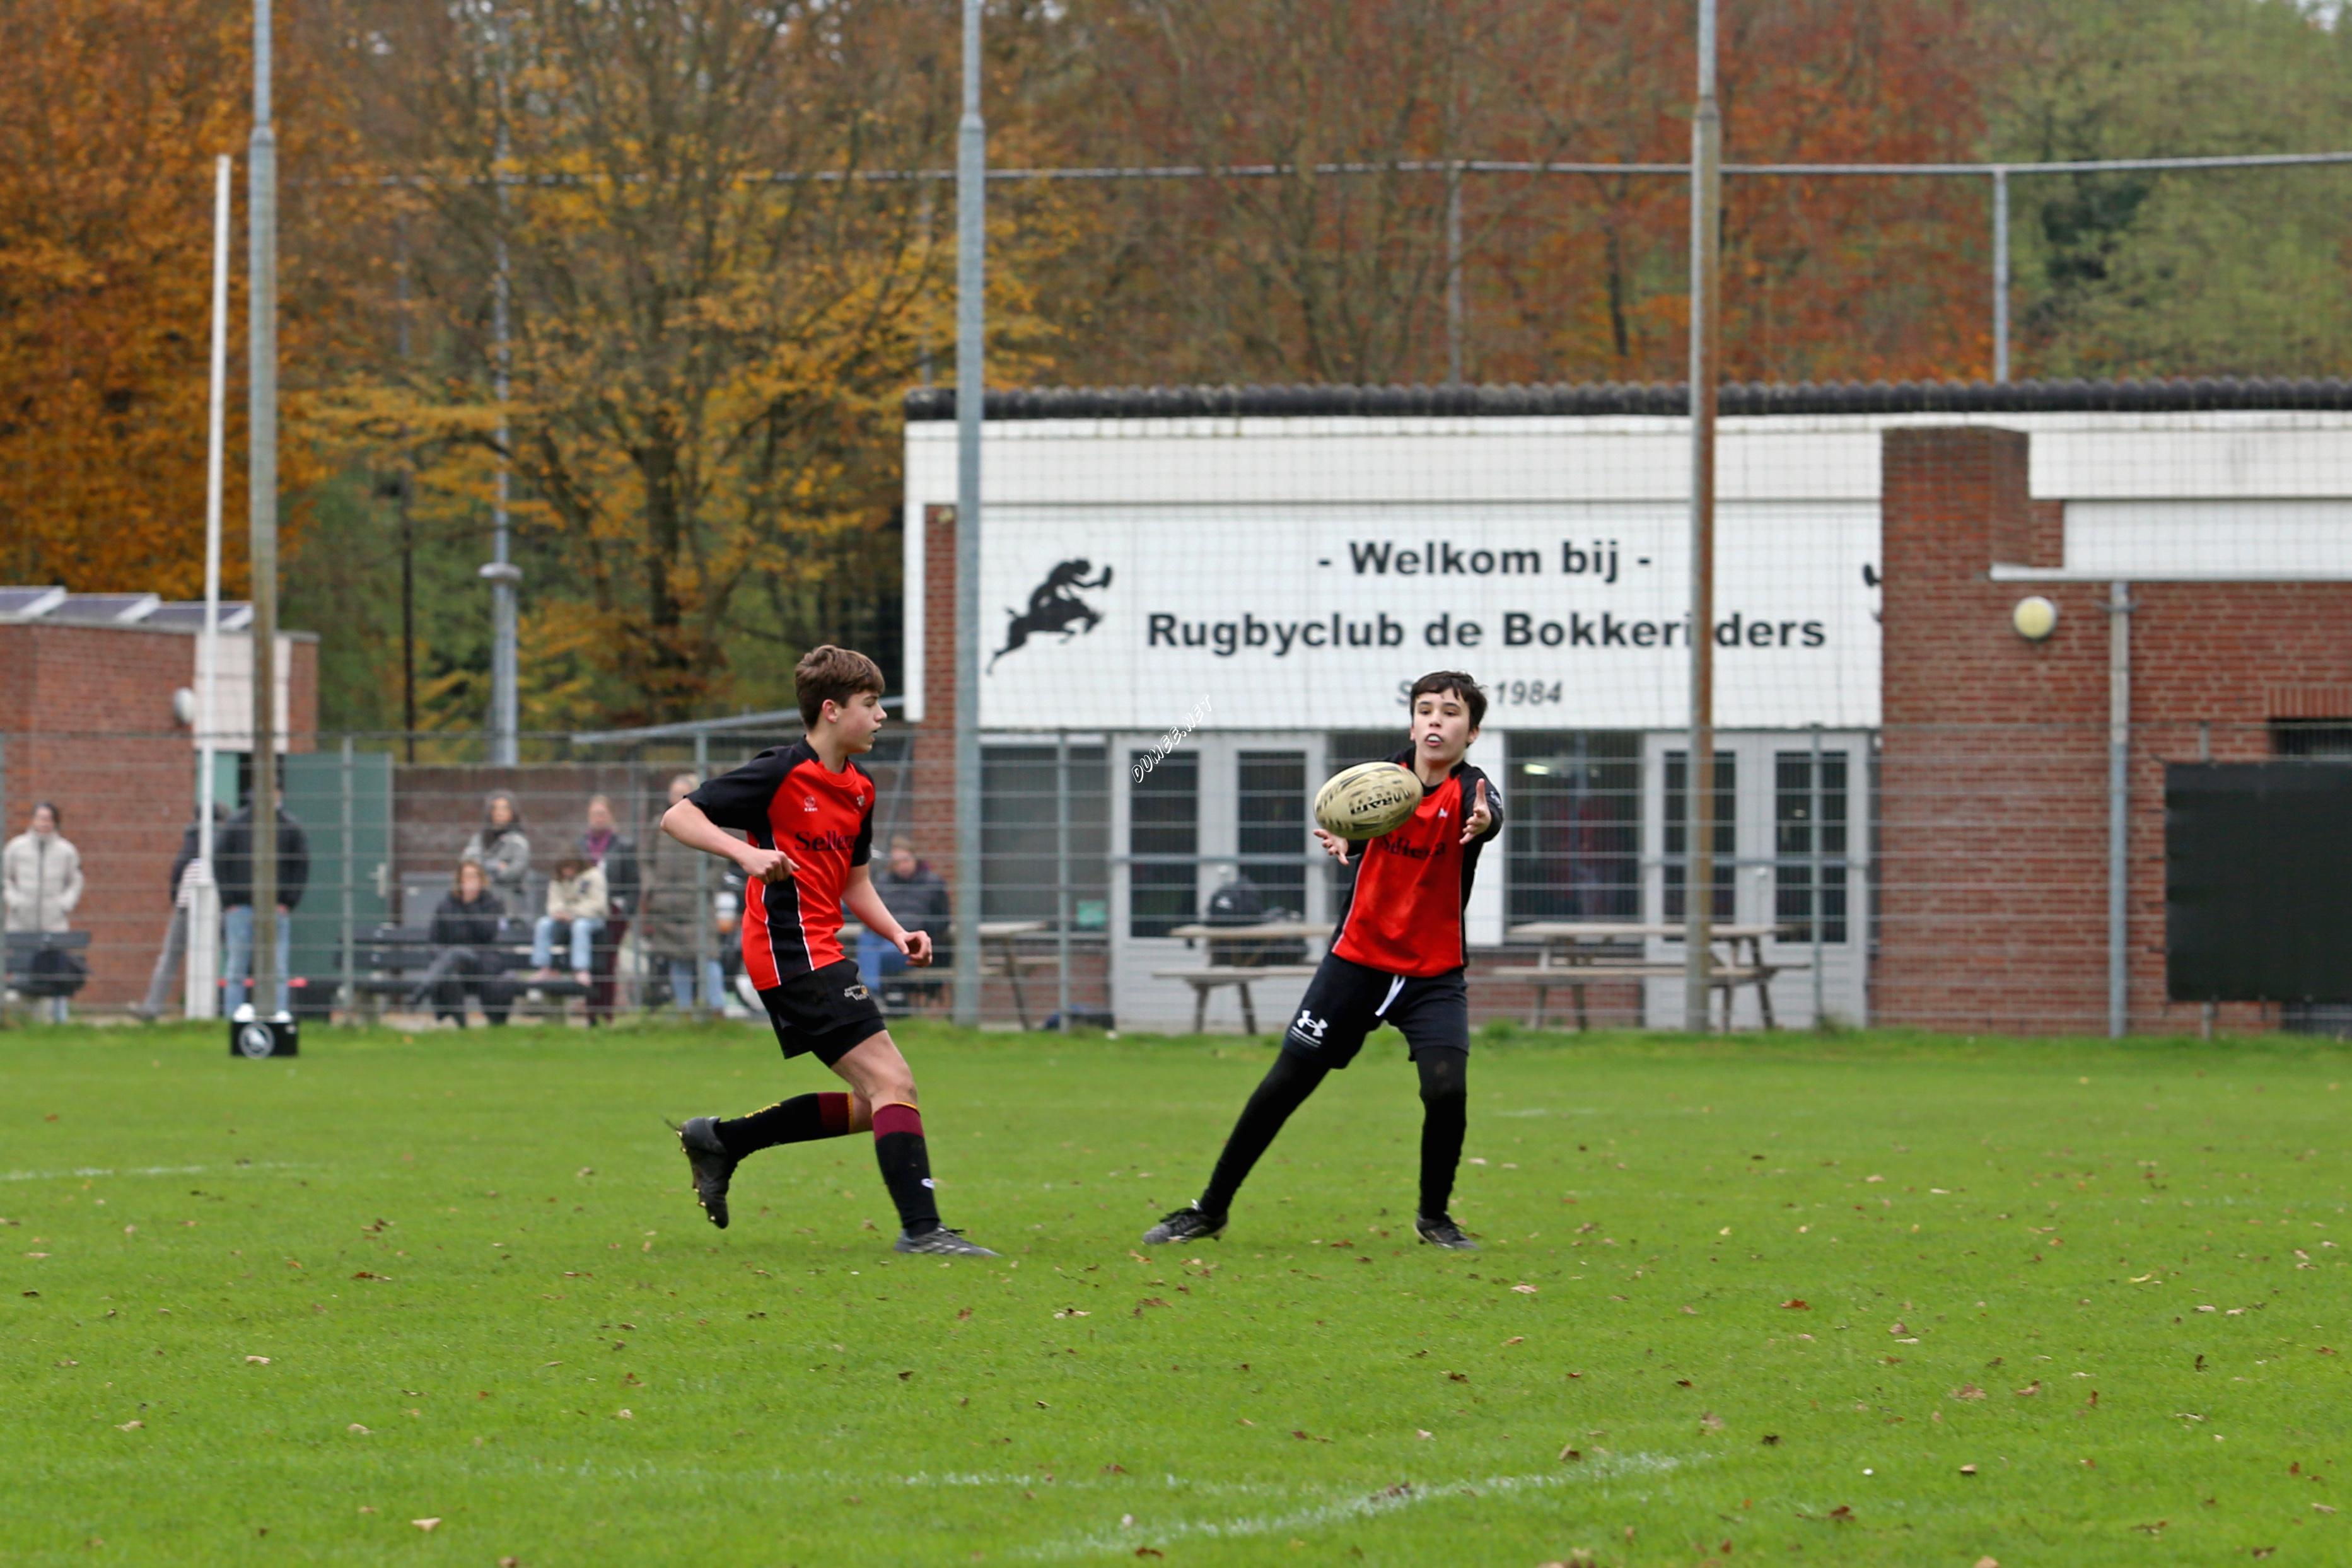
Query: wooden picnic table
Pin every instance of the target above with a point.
(1571, 955)
(1240, 977)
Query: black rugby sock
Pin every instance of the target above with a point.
(1285, 1088)
(905, 1162)
(796, 1120)
(1445, 1117)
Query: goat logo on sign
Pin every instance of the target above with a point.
(1055, 606)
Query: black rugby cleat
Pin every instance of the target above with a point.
(712, 1166)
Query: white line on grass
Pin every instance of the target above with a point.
(135, 1171)
(1401, 1495)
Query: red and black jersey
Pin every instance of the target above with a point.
(1404, 914)
(785, 799)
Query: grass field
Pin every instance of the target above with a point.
(1774, 1296)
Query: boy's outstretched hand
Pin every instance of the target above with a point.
(1333, 842)
(1480, 818)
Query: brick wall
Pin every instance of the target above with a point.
(1993, 816)
(87, 715)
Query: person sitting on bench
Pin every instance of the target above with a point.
(466, 952)
(576, 902)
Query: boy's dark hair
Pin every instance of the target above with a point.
(568, 867)
(1439, 682)
(828, 674)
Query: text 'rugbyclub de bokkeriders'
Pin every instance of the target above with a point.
(1282, 560)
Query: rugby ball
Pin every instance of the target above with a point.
(1366, 800)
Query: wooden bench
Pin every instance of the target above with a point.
(1577, 954)
(1238, 976)
(1723, 980)
(394, 957)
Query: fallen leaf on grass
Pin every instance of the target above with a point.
(1770, 1439)
(1308, 1436)
(2321, 1508)
(355, 1427)
(626, 1415)
(1567, 1456)
(1711, 1422)
(1517, 1338)
(1987, 1562)
(1525, 1290)
(1841, 1514)
(1968, 1391)
(1797, 1304)
(1149, 1552)
(130, 1426)
(1968, 1469)
(427, 1525)
(2029, 1391)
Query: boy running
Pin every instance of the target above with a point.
(809, 814)
(1397, 958)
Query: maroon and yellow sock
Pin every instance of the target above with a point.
(905, 1161)
(799, 1120)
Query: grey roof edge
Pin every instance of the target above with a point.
(1666, 398)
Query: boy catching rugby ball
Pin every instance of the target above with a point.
(808, 813)
(1397, 958)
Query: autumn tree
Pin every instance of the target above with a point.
(111, 112)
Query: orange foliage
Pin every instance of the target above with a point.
(111, 112)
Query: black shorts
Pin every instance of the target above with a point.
(827, 1013)
(1346, 1000)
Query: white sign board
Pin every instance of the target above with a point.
(1291, 615)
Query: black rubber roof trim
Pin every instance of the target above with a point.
(1665, 398)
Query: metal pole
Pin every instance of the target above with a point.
(1999, 272)
(1453, 276)
(1821, 894)
(501, 571)
(261, 176)
(925, 199)
(2205, 1014)
(2119, 614)
(1062, 874)
(971, 320)
(703, 955)
(1706, 331)
(404, 484)
(201, 990)
(351, 874)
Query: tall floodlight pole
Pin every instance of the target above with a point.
(1705, 335)
(203, 986)
(261, 262)
(501, 573)
(972, 323)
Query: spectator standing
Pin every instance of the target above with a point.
(502, 851)
(604, 845)
(917, 898)
(181, 892)
(467, 953)
(41, 871)
(234, 875)
(576, 901)
(670, 915)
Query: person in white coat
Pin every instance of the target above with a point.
(41, 872)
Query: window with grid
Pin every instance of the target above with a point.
(1797, 837)
(1572, 823)
(1270, 806)
(1343, 749)
(1163, 840)
(1018, 864)
(1677, 832)
(2328, 739)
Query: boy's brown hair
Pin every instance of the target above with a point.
(1442, 682)
(828, 674)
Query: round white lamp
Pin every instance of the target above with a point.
(2035, 618)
